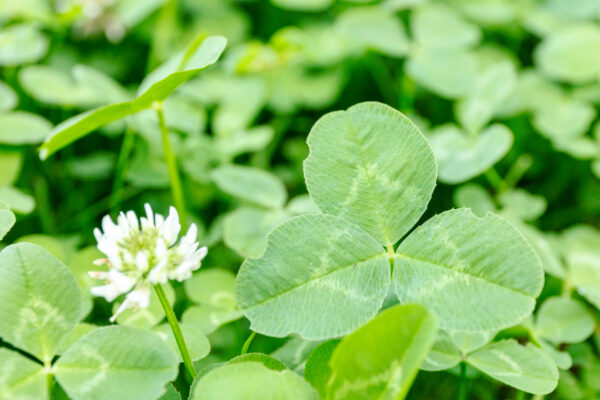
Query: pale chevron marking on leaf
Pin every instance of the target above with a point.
(359, 385)
(460, 274)
(314, 279)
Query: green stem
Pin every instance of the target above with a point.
(124, 153)
(391, 257)
(176, 188)
(172, 319)
(49, 382)
(462, 385)
(247, 343)
(495, 180)
(517, 170)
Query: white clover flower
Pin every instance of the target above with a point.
(143, 253)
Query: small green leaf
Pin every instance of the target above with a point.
(156, 87)
(197, 343)
(571, 54)
(436, 25)
(21, 378)
(19, 202)
(526, 367)
(564, 320)
(21, 127)
(475, 197)
(39, 300)
(212, 287)
(145, 318)
(468, 342)
(303, 5)
(320, 277)
(245, 230)
(492, 88)
(21, 44)
(443, 354)
(161, 82)
(251, 381)
(317, 371)
(462, 157)
(8, 97)
(368, 365)
(117, 363)
(448, 73)
(80, 125)
(519, 203)
(171, 394)
(373, 28)
(253, 185)
(474, 274)
(7, 219)
(207, 318)
(371, 166)
(562, 359)
(264, 359)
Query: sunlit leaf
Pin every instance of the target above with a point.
(39, 300)
(367, 364)
(118, 363)
(474, 273)
(371, 166)
(526, 368)
(320, 277)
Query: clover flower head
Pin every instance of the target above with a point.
(141, 253)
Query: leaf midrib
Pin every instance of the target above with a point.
(290, 289)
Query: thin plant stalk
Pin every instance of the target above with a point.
(462, 385)
(247, 343)
(124, 153)
(176, 188)
(172, 319)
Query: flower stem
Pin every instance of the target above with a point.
(176, 188)
(247, 343)
(124, 154)
(185, 354)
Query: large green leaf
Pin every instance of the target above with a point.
(381, 359)
(21, 127)
(564, 320)
(371, 166)
(320, 277)
(156, 87)
(461, 156)
(21, 378)
(571, 54)
(117, 363)
(39, 300)
(525, 367)
(474, 274)
(251, 381)
(253, 185)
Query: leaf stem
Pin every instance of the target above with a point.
(172, 319)
(247, 343)
(126, 147)
(462, 385)
(176, 188)
(495, 180)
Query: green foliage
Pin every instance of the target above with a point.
(334, 253)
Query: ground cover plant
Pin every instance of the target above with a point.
(324, 199)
